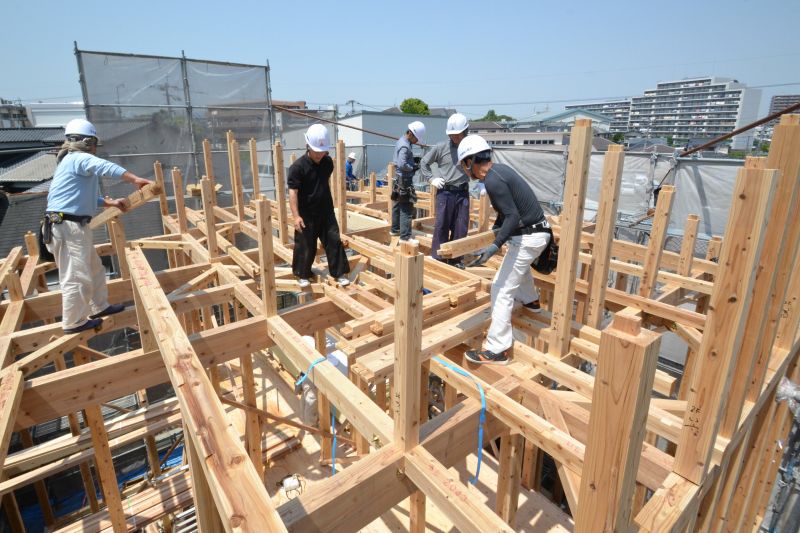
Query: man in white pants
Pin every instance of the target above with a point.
(522, 225)
(72, 200)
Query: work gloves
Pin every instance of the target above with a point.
(437, 182)
(485, 255)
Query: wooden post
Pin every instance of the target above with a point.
(208, 518)
(687, 245)
(39, 486)
(280, 191)
(484, 211)
(373, 191)
(730, 300)
(432, 210)
(162, 194)
(655, 247)
(323, 406)
(571, 225)
(180, 206)
(391, 173)
(604, 234)
(254, 168)
(117, 234)
(104, 461)
(236, 176)
(408, 270)
(509, 477)
(620, 402)
(266, 259)
(340, 198)
(208, 210)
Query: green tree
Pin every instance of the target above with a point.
(414, 106)
(494, 117)
(618, 137)
(670, 141)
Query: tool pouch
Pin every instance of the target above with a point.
(45, 237)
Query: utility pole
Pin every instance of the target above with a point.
(352, 104)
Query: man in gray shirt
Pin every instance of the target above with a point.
(521, 225)
(403, 194)
(452, 196)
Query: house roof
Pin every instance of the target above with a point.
(23, 135)
(36, 168)
(560, 115)
(19, 213)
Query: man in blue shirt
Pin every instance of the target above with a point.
(73, 198)
(350, 177)
(403, 194)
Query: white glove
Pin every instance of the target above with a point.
(481, 189)
(437, 182)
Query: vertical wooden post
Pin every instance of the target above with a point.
(280, 191)
(604, 234)
(254, 168)
(373, 188)
(39, 486)
(208, 517)
(104, 461)
(180, 205)
(323, 406)
(730, 301)
(408, 270)
(571, 226)
(391, 175)
(687, 245)
(432, 210)
(655, 247)
(509, 477)
(208, 210)
(162, 195)
(620, 401)
(341, 186)
(117, 234)
(236, 177)
(484, 212)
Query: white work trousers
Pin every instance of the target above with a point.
(513, 281)
(80, 273)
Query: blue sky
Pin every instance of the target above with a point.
(470, 55)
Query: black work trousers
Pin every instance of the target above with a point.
(322, 226)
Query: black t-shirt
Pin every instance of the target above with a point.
(513, 199)
(312, 182)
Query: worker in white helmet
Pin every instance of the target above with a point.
(349, 176)
(312, 208)
(522, 225)
(73, 199)
(452, 196)
(403, 194)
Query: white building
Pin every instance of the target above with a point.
(618, 111)
(696, 108)
(42, 115)
(374, 152)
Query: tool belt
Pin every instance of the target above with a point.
(402, 193)
(540, 227)
(56, 217)
(456, 188)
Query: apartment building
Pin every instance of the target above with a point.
(780, 102)
(618, 111)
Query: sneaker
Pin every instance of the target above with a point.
(482, 357)
(394, 233)
(533, 306)
(343, 281)
(459, 265)
(112, 309)
(303, 283)
(89, 324)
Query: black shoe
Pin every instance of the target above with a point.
(533, 306)
(459, 265)
(394, 233)
(89, 324)
(482, 357)
(112, 309)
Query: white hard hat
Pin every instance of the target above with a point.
(473, 144)
(418, 129)
(79, 126)
(351, 155)
(456, 124)
(317, 138)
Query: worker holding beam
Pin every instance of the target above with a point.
(72, 200)
(520, 223)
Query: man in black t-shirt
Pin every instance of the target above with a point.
(312, 208)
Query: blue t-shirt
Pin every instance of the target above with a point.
(76, 183)
(348, 170)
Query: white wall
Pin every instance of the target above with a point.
(748, 112)
(54, 115)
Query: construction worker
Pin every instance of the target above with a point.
(312, 208)
(350, 177)
(403, 194)
(452, 196)
(73, 198)
(520, 223)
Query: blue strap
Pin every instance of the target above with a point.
(481, 418)
(310, 368)
(333, 444)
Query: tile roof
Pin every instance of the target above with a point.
(17, 135)
(36, 168)
(19, 213)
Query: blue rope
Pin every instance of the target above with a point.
(333, 444)
(310, 368)
(481, 418)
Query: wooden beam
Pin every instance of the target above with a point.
(208, 210)
(280, 191)
(580, 149)
(687, 245)
(604, 234)
(509, 477)
(655, 247)
(752, 199)
(254, 168)
(340, 198)
(134, 200)
(625, 372)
